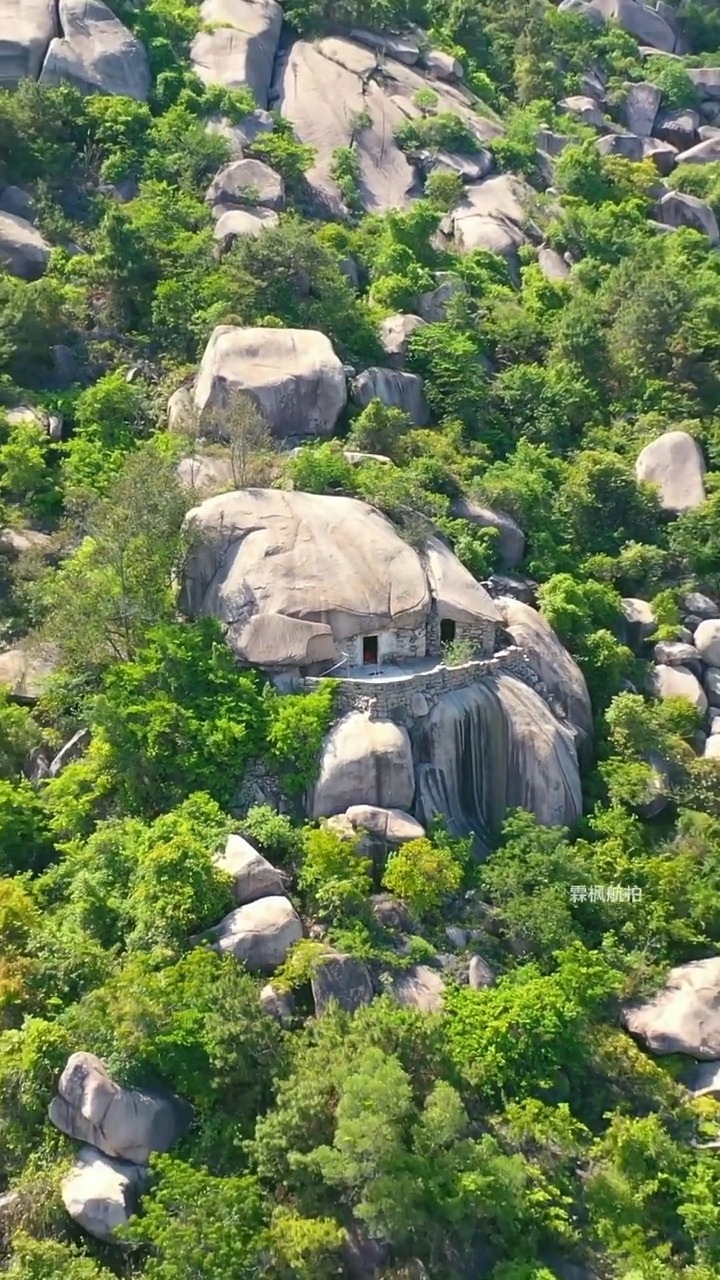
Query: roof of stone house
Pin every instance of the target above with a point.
(290, 574)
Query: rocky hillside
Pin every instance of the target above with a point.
(359, 639)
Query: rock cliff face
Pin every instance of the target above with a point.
(489, 748)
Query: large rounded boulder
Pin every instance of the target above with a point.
(259, 934)
(26, 29)
(675, 464)
(684, 1015)
(293, 375)
(127, 1124)
(96, 53)
(366, 762)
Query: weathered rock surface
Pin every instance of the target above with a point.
(585, 108)
(707, 641)
(18, 202)
(341, 979)
(23, 251)
(366, 762)
(629, 147)
(253, 876)
(205, 474)
(392, 827)
(491, 216)
(684, 1016)
(712, 748)
(677, 127)
(552, 264)
(433, 305)
(259, 934)
(674, 653)
(277, 1004)
(705, 152)
(674, 462)
(390, 912)
(458, 596)
(239, 44)
(639, 622)
(396, 389)
(419, 988)
(332, 564)
(678, 682)
(442, 65)
(639, 20)
(480, 973)
(493, 746)
(395, 332)
(127, 1124)
(550, 660)
(244, 133)
(246, 182)
(695, 602)
(26, 30)
(236, 223)
(96, 52)
(100, 1193)
(404, 48)
(706, 81)
(293, 375)
(712, 685)
(679, 210)
(510, 539)
(642, 103)
(26, 672)
(326, 87)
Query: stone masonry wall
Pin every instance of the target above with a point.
(415, 694)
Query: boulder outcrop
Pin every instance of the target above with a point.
(674, 462)
(293, 375)
(26, 30)
(23, 251)
(245, 182)
(678, 682)
(491, 216)
(395, 332)
(705, 152)
(329, 567)
(639, 20)
(642, 103)
(127, 1124)
(364, 760)
(679, 210)
(100, 1193)
(493, 746)
(259, 934)
(510, 539)
(96, 52)
(253, 876)
(630, 147)
(237, 44)
(27, 671)
(343, 980)
(419, 988)
(707, 641)
(396, 389)
(233, 224)
(391, 827)
(684, 1016)
(550, 660)
(332, 94)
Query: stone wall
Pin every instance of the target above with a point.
(412, 695)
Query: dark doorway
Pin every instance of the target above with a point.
(447, 631)
(370, 651)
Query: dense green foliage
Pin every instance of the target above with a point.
(519, 1134)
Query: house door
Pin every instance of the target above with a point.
(447, 631)
(370, 651)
